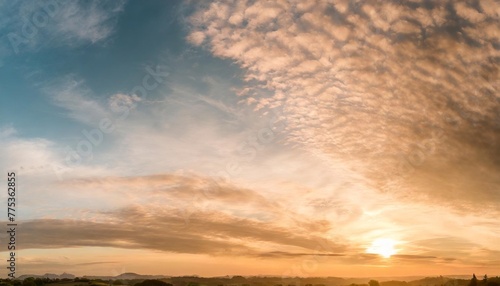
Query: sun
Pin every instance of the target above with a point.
(383, 247)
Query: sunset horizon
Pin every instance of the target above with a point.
(158, 276)
(338, 138)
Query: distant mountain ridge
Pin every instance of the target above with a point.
(49, 275)
(127, 276)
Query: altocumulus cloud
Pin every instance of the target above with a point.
(405, 92)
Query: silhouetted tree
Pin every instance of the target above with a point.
(473, 281)
(38, 282)
(238, 278)
(30, 281)
(153, 283)
(373, 283)
(493, 281)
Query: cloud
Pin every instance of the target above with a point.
(190, 213)
(72, 94)
(180, 186)
(288, 254)
(191, 193)
(98, 262)
(161, 229)
(87, 21)
(120, 101)
(31, 26)
(211, 233)
(31, 156)
(7, 131)
(407, 256)
(38, 163)
(405, 93)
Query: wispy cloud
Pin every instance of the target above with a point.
(86, 21)
(209, 233)
(78, 101)
(194, 214)
(98, 263)
(30, 26)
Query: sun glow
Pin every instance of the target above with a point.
(383, 247)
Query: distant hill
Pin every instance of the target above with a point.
(128, 276)
(48, 275)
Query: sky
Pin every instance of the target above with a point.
(288, 138)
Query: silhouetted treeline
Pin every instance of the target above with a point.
(251, 281)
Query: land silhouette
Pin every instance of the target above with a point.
(133, 279)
